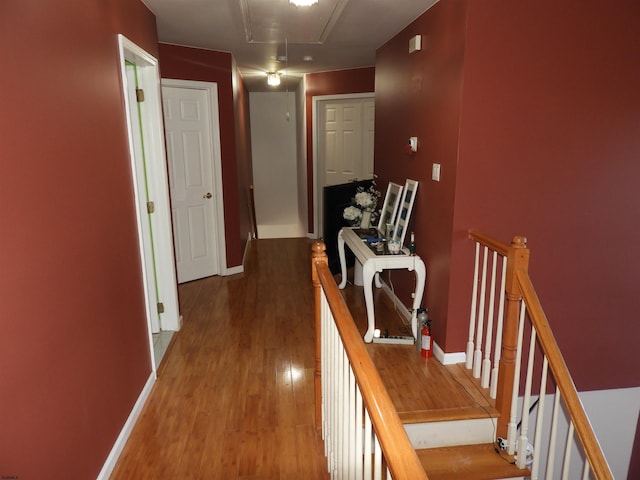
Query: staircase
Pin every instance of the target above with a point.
(449, 419)
(428, 420)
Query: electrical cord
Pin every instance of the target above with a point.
(496, 446)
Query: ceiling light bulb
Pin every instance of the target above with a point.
(273, 79)
(303, 3)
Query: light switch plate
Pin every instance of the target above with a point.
(435, 172)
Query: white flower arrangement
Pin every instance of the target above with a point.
(363, 201)
(352, 213)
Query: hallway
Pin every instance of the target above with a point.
(234, 395)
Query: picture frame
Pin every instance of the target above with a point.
(404, 213)
(390, 206)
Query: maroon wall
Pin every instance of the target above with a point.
(550, 141)
(75, 350)
(186, 63)
(535, 119)
(357, 80)
(419, 95)
(243, 152)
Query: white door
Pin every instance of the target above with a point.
(345, 140)
(190, 153)
(346, 143)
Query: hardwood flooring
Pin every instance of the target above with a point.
(234, 395)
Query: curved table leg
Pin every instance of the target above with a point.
(421, 274)
(377, 280)
(368, 272)
(343, 262)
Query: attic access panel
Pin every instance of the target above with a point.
(274, 21)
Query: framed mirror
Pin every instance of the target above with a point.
(390, 206)
(404, 215)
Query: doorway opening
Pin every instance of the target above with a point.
(140, 81)
(343, 139)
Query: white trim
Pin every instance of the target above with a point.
(448, 358)
(218, 205)
(443, 357)
(234, 270)
(118, 446)
(450, 433)
(158, 185)
(315, 112)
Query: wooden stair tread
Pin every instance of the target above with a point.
(447, 414)
(422, 390)
(468, 462)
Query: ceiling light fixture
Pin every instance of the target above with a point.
(303, 3)
(273, 79)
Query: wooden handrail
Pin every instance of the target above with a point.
(496, 245)
(401, 458)
(563, 379)
(519, 288)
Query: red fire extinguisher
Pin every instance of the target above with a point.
(427, 340)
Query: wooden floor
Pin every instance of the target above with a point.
(421, 389)
(234, 395)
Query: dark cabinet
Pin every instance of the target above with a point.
(336, 199)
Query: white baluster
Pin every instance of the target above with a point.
(472, 315)
(511, 428)
(493, 392)
(524, 425)
(377, 459)
(368, 444)
(360, 435)
(586, 470)
(477, 357)
(567, 453)
(552, 436)
(535, 467)
(486, 364)
(344, 400)
(352, 424)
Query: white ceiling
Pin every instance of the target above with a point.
(272, 35)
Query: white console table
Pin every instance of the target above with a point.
(373, 263)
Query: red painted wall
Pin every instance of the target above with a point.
(243, 151)
(419, 95)
(550, 141)
(532, 109)
(75, 352)
(357, 80)
(188, 63)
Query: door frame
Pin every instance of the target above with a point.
(317, 103)
(216, 163)
(157, 247)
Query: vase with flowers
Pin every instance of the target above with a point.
(363, 207)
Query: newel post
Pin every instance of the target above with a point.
(318, 256)
(517, 259)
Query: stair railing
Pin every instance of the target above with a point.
(496, 356)
(363, 435)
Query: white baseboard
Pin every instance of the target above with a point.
(443, 357)
(239, 268)
(118, 446)
(448, 358)
(234, 270)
